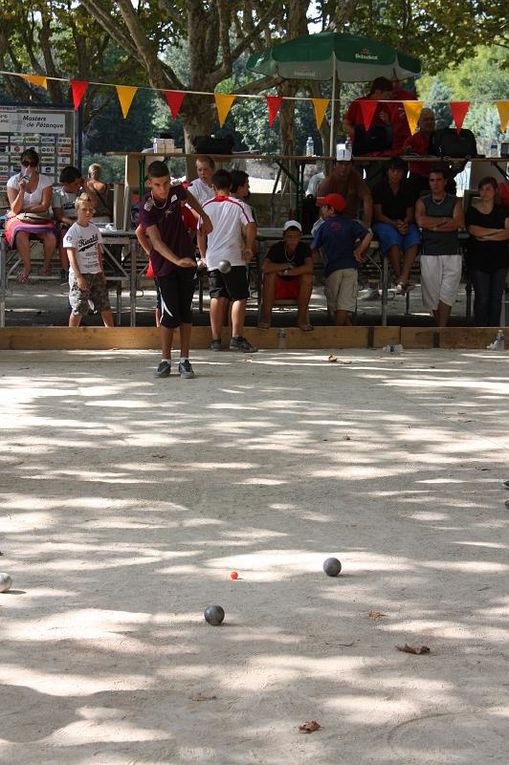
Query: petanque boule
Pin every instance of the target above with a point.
(507, 503)
(224, 266)
(5, 582)
(332, 566)
(506, 484)
(214, 615)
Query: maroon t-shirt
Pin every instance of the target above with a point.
(168, 219)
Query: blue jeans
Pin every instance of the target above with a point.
(489, 289)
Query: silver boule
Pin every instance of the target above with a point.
(5, 582)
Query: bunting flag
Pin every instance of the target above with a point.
(459, 110)
(125, 95)
(79, 88)
(368, 109)
(174, 100)
(35, 79)
(413, 111)
(223, 105)
(273, 105)
(503, 113)
(320, 106)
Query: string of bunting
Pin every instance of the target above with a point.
(224, 102)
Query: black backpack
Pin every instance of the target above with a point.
(449, 143)
(377, 138)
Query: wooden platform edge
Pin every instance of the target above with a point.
(145, 338)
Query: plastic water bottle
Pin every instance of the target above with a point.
(393, 348)
(281, 339)
(499, 343)
(310, 147)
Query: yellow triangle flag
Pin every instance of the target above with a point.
(223, 105)
(413, 111)
(125, 95)
(503, 113)
(320, 106)
(35, 79)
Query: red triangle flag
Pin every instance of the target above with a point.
(274, 105)
(79, 88)
(174, 100)
(459, 110)
(368, 109)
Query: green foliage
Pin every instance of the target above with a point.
(480, 79)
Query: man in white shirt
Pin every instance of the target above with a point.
(233, 240)
(201, 187)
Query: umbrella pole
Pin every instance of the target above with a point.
(332, 153)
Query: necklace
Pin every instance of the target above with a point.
(160, 207)
(439, 201)
(290, 258)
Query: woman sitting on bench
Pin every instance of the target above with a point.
(29, 195)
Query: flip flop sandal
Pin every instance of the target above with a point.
(306, 327)
(23, 278)
(263, 325)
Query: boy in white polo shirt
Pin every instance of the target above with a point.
(87, 282)
(233, 239)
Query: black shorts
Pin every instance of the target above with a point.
(176, 293)
(234, 285)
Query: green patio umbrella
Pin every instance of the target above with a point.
(331, 55)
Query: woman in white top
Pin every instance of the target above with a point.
(29, 195)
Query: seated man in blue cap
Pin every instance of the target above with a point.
(288, 275)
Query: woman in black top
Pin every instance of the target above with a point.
(488, 253)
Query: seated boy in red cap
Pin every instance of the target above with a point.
(343, 243)
(288, 275)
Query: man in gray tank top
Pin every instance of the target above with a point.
(440, 216)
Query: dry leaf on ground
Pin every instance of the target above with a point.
(202, 697)
(376, 614)
(417, 649)
(309, 727)
(331, 358)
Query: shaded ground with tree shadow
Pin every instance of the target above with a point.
(127, 501)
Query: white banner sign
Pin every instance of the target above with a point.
(32, 122)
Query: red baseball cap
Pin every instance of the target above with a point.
(332, 200)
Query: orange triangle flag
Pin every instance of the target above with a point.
(459, 110)
(223, 105)
(35, 79)
(125, 94)
(413, 111)
(503, 113)
(320, 106)
(368, 109)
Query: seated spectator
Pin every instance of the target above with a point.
(343, 242)
(419, 143)
(100, 194)
(288, 275)
(29, 194)
(440, 216)
(399, 121)
(64, 210)
(378, 139)
(345, 180)
(201, 187)
(488, 253)
(394, 222)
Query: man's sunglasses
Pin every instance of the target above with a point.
(27, 163)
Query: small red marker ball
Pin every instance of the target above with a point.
(234, 575)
